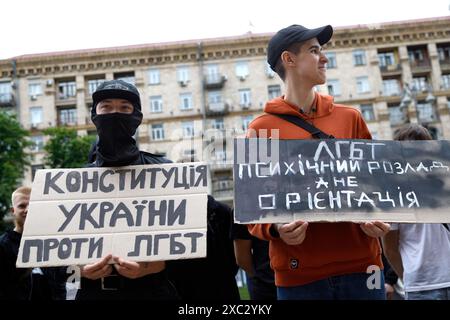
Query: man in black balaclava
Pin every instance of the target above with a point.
(116, 113)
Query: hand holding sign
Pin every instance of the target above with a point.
(293, 233)
(375, 229)
(97, 270)
(134, 270)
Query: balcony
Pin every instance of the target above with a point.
(426, 114)
(214, 81)
(7, 100)
(445, 64)
(391, 70)
(420, 65)
(217, 109)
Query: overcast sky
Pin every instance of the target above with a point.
(35, 26)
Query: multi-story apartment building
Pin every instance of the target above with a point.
(190, 87)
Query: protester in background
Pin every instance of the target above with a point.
(420, 252)
(26, 283)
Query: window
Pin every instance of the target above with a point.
(183, 74)
(426, 112)
(362, 85)
(212, 73)
(188, 129)
(35, 115)
(5, 92)
(331, 56)
(67, 90)
(156, 104)
(269, 72)
(157, 132)
(37, 143)
(419, 84)
(214, 97)
(218, 124)
(274, 91)
(34, 89)
(391, 87)
(359, 57)
(245, 98)
(367, 112)
(444, 53)
(186, 101)
(246, 121)
(242, 69)
(416, 55)
(334, 88)
(386, 59)
(93, 85)
(446, 81)
(396, 115)
(153, 76)
(67, 116)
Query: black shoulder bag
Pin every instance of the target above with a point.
(316, 132)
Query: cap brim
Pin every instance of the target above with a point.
(115, 94)
(323, 34)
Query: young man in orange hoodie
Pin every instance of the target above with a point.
(316, 260)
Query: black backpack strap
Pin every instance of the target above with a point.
(315, 132)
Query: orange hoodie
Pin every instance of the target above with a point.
(329, 249)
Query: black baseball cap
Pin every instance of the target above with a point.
(284, 38)
(117, 89)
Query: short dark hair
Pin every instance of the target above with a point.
(412, 132)
(279, 68)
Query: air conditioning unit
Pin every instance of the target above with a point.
(270, 75)
(49, 82)
(34, 126)
(183, 83)
(242, 78)
(33, 97)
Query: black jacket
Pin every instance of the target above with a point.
(20, 283)
(211, 278)
(15, 283)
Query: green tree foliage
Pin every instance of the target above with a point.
(65, 149)
(13, 159)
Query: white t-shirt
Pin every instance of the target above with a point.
(425, 252)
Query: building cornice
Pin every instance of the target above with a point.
(191, 51)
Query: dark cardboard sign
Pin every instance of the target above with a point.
(341, 180)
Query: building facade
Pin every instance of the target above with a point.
(194, 93)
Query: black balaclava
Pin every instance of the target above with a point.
(116, 145)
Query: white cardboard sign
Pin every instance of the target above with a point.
(139, 213)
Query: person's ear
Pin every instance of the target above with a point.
(287, 58)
